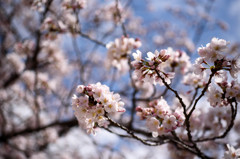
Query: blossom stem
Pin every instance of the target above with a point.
(131, 133)
(193, 98)
(120, 17)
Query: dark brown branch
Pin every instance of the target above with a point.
(11, 80)
(91, 39)
(132, 133)
(120, 135)
(174, 91)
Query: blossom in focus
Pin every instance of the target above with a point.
(198, 68)
(214, 57)
(154, 66)
(222, 93)
(92, 105)
(169, 122)
(214, 96)
(213, 50)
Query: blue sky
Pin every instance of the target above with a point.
(227, 11)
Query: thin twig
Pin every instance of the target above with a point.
(131, 133)
(193, 98)
(120, 19)
(90, 38)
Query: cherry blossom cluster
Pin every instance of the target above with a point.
(94, 102)
(16, 59)
(147, 70)
(118, 51)
(222, 93)
(50, 58)
(159, 117)
(109, 14)
(66, 21)
(231, 153)
(215, 57)
(55, 56)
(220, 119)
(52, 27)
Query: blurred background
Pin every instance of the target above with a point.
(48, 47)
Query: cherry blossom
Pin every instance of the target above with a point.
(118, 51)
(16, 62)
(195, 80)
(159, 117)
(94, 103)
(146, 70)
(232, 153)
(214, 96)
(213, 56)
(178, 59)
(47, 49)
